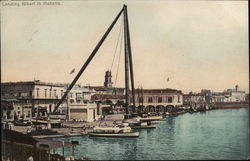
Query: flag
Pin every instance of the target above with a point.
(72, 71)
(167, 79)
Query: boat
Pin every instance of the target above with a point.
(115, 131)
(142, 125)
(22, 123)
(151, 118)
(48, 122)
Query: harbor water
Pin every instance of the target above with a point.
(215, 134)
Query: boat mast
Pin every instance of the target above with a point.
(88, 61)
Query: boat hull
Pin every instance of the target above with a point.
(143, 127)
(133, 134)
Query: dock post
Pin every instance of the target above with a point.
(73, 152)
(63, 147)
(49, 154)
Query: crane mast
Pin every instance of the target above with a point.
(128, 61)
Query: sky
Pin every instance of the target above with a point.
(196, 44)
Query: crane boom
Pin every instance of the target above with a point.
(88, 61)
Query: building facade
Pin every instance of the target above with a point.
(156, 97)
(41, 95)
(14, 109)
(80, 106)
(230, 95)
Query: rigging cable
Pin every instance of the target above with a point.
(121, 42)
(116, 45)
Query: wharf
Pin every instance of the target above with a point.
(73, 128)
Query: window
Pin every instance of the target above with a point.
(179, 99)
(170, 99)
(37, 92)
(50, 108)
(141, 99)
(54, 92)
(28, 114)
(19, 94)
(150, 99)
(61, 93)
(71, 95)
(8, 115)
(71, 101)
(78, 110)
(78, 96)
(50, 90)
(159, 99)
(45, 92)
(30, 93)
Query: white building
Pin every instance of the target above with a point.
(41, 95)
(156, 97)
(235, 95)
(80, 106)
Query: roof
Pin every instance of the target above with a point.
(9, 99)
(106, 96)
(36, 82)
(167, 90)
(18, 137)
(103, 88)
(98, 88)
(10, 135)
(194, 94)
(52, 144)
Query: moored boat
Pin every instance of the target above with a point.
(116, 131)
(51, 122)
(142, 125)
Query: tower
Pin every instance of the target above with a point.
(237, 87)
(108, 79)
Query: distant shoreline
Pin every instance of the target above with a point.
(231, 106)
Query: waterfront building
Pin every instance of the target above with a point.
(41, 95)
(108, 92)
(158, 99)
(80, 105)
(14, 109)
(229, 95)
(83, 112)
(192, 98)
(235, 95)
(247, 98)
(199, 101)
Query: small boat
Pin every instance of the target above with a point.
(115, 131)
(142, 125)
(53, 122)
(22, 123)
(151, 118)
